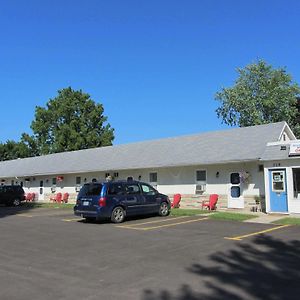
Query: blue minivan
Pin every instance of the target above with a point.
(117, 199)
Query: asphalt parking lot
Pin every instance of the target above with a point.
(48, 254)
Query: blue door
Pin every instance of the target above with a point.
(278, 191)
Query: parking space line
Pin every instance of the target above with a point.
(151, 222)
(24, 215)
(165, 225)
(239, 238)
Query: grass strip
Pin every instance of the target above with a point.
(288, 221)
(33, 205)
(229, 216)
(177, 212)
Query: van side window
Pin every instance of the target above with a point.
(132, 189)
(115, 189)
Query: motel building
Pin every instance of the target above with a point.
(257, 166)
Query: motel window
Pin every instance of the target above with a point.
(153, 177)
(54, 181)
(296, 180)
(235, 178)
(201, 175)
(78, 180)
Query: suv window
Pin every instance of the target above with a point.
(148, 190)
(90, 189)
(115, 189)
(132, 189)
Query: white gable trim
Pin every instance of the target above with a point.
(286, 129)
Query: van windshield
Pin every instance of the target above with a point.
(90, 189)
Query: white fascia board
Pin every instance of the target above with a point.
(283, 143)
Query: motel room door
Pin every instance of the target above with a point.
(278, 191)
(235, 195)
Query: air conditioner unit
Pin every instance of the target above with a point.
(200, 188)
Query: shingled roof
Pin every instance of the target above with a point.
(217, 147)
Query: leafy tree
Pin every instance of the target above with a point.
(26, 147)
(70, 121)
(260, 95)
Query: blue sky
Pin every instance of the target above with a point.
(154, 65)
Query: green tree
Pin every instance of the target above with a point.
(70, 121)
(13, 150)
(261, 94)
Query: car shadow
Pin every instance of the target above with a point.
(128, 219)
(6, 211)
(264, 268)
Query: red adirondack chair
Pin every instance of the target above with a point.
(65, 197)
(29, 197)
(176, 201)
(58, 197)
(211, 204)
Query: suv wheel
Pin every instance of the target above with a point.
(118, 215)
(16, 202)
(164, 209)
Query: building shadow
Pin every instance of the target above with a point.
(267, 268)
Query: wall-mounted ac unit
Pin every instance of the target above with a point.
(200, 188)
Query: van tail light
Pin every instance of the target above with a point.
(102, 201)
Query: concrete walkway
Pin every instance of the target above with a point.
(266, 219)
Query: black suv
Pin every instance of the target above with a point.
(11, 195)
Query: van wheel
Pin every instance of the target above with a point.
(118, 215)
(164, 209)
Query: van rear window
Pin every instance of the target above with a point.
(90, 189)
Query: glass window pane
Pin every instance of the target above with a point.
(115, 189)
(201, 175)
(153, 177)
(235, 191)
(132, 189)
(235, 178)
(78, 180)
(148, 189)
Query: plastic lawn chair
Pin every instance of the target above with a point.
(176, 201)
(211, 204)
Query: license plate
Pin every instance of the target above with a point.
(85, 203)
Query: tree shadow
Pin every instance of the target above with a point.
(267, 269)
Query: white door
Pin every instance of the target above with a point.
(41, 191)
(235, 193)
